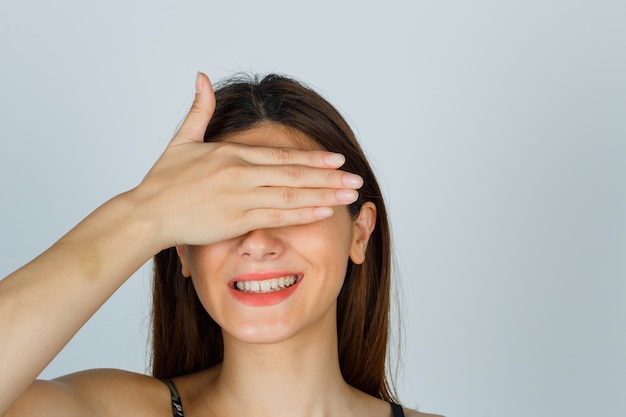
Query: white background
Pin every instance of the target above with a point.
(498, 130)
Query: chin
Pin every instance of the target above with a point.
(282, 327)
(261, 333)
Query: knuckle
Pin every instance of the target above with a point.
(289, 195)
(330, 197)
(283, 155)
(315, 158)
(293, 171)
(231, 172)
(224, 148)
(305, 216)
(333, 178)
(195, 108)
(275, 217)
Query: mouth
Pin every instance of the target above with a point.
(266, 285)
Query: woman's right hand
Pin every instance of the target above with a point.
(202, 193)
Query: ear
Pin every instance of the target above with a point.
(363, 227)
(184, 260)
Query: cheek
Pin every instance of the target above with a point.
(207, 265)
(327, 248)
(204, 259)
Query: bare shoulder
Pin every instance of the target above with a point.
(414, 413)
(98, 392)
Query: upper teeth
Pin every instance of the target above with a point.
(268, 285)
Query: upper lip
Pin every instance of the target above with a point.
(263, 275)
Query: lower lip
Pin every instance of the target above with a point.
(263, 299)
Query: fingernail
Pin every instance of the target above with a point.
(335, 160)
(198, 83)
(352, 180)
(347, 196)
(321, 212)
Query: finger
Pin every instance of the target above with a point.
(292, 198)
(197, 120)
(269, 218)
(303, 176)
(288, 156)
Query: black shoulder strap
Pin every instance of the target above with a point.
(177, 404)
(397, 410)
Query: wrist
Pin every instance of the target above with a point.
(142, 221)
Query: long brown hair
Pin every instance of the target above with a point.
(185, 339)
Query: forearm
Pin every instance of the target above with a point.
(43, 304)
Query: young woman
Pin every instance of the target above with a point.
(272, 273)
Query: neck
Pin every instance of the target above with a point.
(298, 376)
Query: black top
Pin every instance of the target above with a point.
(177, 404)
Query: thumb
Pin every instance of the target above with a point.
(195, 124)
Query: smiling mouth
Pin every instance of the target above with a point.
(267, 285)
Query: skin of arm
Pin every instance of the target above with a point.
(47, 301)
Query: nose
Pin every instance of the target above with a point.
(260, 245)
